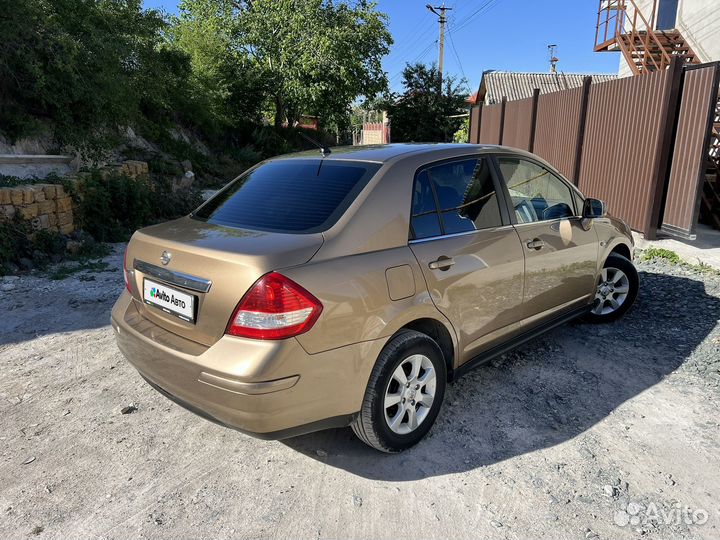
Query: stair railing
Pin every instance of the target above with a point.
(633, 34)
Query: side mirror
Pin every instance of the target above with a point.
(593, 208)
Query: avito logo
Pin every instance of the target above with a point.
(162, 295)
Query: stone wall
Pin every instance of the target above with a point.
(48, 206)
(45, 206)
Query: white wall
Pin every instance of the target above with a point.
(699, 23)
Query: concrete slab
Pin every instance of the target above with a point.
(704, 249)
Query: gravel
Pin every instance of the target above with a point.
(589, 431)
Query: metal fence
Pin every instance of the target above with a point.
(639, 143)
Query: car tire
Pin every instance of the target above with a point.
(404, 394)
(616, 290)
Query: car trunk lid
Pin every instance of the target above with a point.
(214, 264)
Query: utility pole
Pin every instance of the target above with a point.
(441, 42)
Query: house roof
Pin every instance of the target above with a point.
(513, 85)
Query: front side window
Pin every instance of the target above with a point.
(454, 197)
(289, 195)
(536, 193)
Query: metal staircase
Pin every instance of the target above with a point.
(710, 201)
(622, 27)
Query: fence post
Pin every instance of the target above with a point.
(533, 118)
(474, 128)
(663, 153)
(503, 103)
(587, 81)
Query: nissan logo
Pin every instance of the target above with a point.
(165, 257)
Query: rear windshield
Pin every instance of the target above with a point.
(289, 196)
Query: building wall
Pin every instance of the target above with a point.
(699, 23)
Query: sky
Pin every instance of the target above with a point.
(508, 35)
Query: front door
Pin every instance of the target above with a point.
(470, 256)
(560, 252)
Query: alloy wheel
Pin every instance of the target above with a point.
(410, 394)
(611, 292)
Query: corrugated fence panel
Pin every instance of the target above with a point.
(490, 125)
(691, 140)
(475, 116)
(556, 130)
(622, 137)
(518, 123)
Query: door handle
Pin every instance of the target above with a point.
(535, 244)
(442, 263)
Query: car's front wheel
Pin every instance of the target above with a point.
(616, 289)
(404, 394)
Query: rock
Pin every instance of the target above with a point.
(129, 409)
(357, 501)
(321, 453)
(73, 247)
(7, 287)
(26, 264)
(609, 490)
(496, 524)
(28, 461)
(10, 278)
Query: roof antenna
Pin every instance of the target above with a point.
(324, 150)
(553, 59)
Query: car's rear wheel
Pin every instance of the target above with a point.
(404, 394)
(616, 290)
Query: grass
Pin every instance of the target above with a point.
(661, 253)
(671, 257)
(65, 270)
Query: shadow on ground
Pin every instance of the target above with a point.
(545, 393)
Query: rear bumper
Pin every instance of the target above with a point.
(270, 389)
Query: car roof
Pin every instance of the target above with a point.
(381, 153)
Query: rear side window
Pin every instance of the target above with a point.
(454, 197)
(289, 196)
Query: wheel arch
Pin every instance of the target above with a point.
(621, 249)
(440, 334)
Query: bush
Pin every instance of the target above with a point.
(13, 243)
(111, 208)
(49, 242)
(269, 142)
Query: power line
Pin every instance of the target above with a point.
(457, 57)
(419, 56)
(487, 6)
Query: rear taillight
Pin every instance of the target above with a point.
(275, 307)
(126, 275)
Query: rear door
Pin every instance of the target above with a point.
(469, 252)
(560, 252)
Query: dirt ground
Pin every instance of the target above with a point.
(608, 432)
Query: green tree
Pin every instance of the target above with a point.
(225, 86)
(424, 112)
(463, 133)
(84, 67)
(317, 55)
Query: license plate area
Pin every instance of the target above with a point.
(170, 300)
